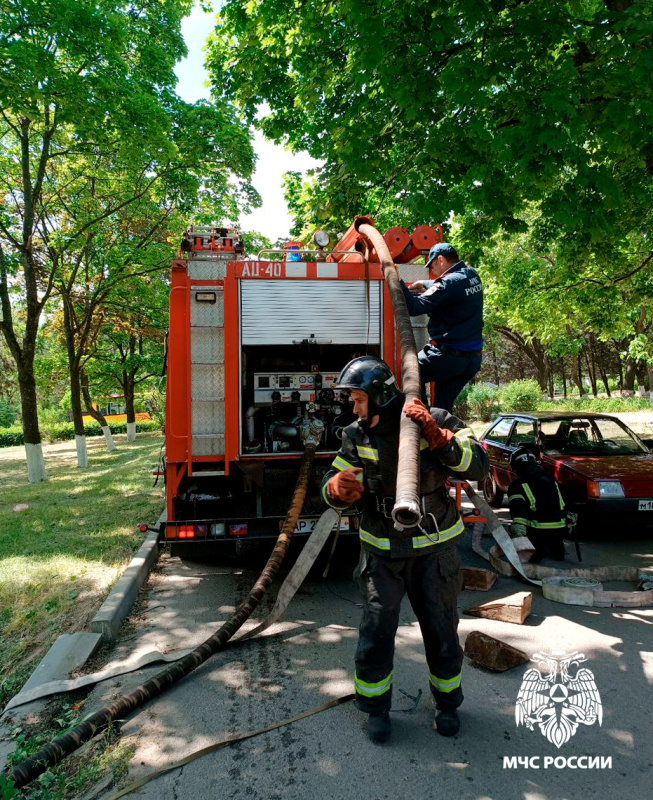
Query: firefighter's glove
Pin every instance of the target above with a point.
(436, 436)
(517, 530)
(345, 487)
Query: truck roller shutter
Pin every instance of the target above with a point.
(287, 312)
(207, 371)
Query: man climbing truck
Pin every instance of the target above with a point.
(421, 561)
(454, 303)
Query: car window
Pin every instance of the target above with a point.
(582, 436)
(522, 432)
(500, 431)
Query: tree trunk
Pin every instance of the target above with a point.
(628, 382)
(535, 352)
(23, 355)
(642, 378)
(592, 362)
(75, 384)
(591, 373)
(495, 366)
(128, 387)
(604, 378)
(29, 412)
(577, 373)
(97, 415)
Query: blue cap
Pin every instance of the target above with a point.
(441, 249)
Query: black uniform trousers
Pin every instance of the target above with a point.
(432, 582)
(449, 374)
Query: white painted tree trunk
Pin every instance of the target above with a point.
(106, 430)
(82, 455)
(35, 463)
(131, 431)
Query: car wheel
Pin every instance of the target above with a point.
(492, 493)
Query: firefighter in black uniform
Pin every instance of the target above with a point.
(536, 506)
(420, 561)
(454, 303)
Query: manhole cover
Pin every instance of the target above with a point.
(581, 583)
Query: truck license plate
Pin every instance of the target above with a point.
(646, 505)
(307, 525)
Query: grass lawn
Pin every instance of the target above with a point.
(59, 559)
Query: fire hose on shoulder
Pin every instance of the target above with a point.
(67, 743)
(406, 512)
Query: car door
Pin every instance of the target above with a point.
(496, 440)
(523, 432)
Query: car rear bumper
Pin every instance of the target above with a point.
(211, 532)
(598, 509)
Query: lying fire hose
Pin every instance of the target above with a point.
(64, 745)
(406, 512)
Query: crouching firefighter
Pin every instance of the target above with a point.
(536, 506)
(421, 561)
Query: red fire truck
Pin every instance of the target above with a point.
(254, 348)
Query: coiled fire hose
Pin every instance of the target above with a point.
(406, 512)
(67, 743)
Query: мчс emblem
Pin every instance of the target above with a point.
(559, 696)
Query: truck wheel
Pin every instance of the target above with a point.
(492, 493)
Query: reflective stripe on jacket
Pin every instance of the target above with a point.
(535, 500)
(375, 451)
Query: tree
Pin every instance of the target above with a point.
(420, 109)
(87, 88)
(129, 347)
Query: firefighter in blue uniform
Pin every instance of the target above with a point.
(537, 508)
(454, 303)
(421, 561)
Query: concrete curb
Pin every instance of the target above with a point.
(115, 608)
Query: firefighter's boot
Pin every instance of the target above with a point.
(447, 722)
(378, 727)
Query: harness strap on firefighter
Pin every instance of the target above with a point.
(443, 535)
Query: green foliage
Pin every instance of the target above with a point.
(520, 396)
(59, 432)
(8, 414)
(49, 417)
(12, 436)
(461, 407)
(605, 405)
(483, 401)
(7, 788)
(103, 166)
(497, 104)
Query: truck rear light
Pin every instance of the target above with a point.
(185, 532)
(238, 530)
(218, 529)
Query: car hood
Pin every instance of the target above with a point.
(610, 467)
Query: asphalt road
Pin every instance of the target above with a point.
(307, 659)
